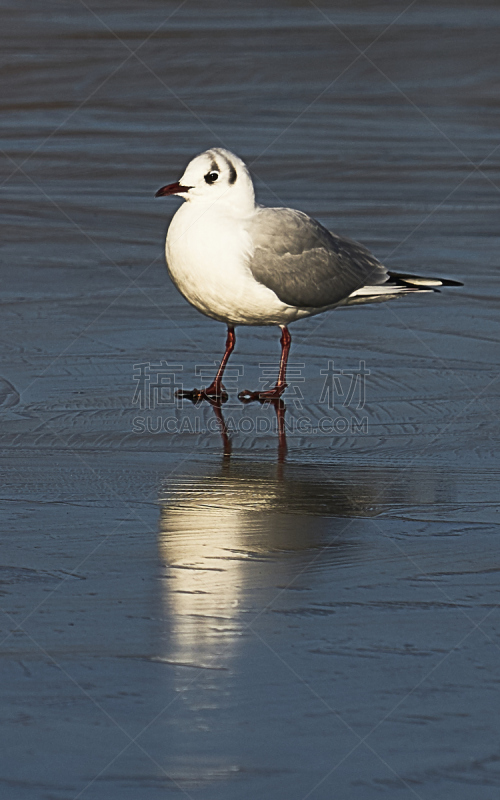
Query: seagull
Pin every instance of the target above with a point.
(245, 264)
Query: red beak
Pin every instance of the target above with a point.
(172, 188)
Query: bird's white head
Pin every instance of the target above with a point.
(215, 176)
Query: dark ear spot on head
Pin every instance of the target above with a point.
(232, 172)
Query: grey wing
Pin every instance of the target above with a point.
(306, 265)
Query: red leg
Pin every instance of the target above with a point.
(275, 393)
(285, 341)
(215, 393)
(216, 385)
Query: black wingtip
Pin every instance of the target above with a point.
(448, 282)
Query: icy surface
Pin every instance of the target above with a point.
(179, 623)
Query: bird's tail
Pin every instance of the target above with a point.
(397, 284)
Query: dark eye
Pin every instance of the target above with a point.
(211, 177)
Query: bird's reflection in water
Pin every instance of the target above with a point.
(280, 410)
(239, 531)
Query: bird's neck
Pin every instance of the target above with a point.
(221, 208)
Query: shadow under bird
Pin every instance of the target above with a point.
(245, 264)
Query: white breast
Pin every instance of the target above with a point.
(206, 254)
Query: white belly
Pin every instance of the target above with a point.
(206, 260)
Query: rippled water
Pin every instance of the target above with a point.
(316, 623)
